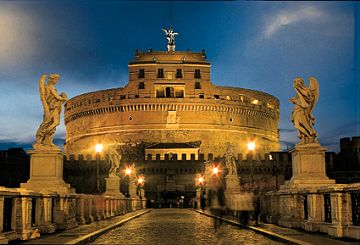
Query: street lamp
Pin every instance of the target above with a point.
(201, 180)
(215, 170)
(98, 150)
(140, 180)
(140, 183)
(129, 173)
(251, 148)
(276, 172)
(200, 192)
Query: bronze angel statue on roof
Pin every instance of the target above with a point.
(304, 103)
(52, 103)
(170, 35)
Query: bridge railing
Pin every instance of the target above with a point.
(333, 209)
(25, 214)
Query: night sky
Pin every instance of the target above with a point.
(255, 45)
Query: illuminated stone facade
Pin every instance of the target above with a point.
(170, 99)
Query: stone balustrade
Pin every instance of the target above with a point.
(23, 213)
(333, 209)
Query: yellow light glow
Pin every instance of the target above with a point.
(251, 146)
(141, 180)
(255, 102)
(215, 170)
(128, 171)
(201, 179)
(98, 148)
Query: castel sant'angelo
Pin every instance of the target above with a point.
(171, 104)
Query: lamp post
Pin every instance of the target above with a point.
(140, 183)
(201, 183)
(128, 173)
(98, 150)
(251, 148)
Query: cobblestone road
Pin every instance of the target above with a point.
(179, 226)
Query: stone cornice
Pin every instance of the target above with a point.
(240, 110)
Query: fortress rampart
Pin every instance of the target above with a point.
(169, 98)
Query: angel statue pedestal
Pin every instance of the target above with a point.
(46, 162)
(113, 186)
(46, 172)
(133, 191)
(308, 156)
(232, 184)
(308, 166)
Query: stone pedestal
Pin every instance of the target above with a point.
(113, 186)
(133, 190)
(232, 184)
(308, 167)
(133, 187)
(46, 172)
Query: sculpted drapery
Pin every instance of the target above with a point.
(304, 103)
(52, 103)
(114, 159)
(230, 164)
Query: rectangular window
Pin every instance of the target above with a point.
(141, 73)
(160, 73)
(179, 93)
(141, 85)
(179, 73)
(201, 96)
(197, 85)
(136, 96)
(197, 73)
(160, 93)
(216, 96)
(122, 97)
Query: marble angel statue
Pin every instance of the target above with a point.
(230, 164)
(52, 105)
(114, 159)
(304, 103)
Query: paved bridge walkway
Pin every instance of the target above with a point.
(179, 226)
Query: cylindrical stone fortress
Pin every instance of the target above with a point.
(170, 99)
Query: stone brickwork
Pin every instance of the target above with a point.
(170, 98)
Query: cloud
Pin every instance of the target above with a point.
(288, 17)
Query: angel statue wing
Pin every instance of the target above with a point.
(42, 90)
(314, 91)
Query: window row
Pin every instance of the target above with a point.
(160, 73)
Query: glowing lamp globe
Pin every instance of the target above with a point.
(98, 148)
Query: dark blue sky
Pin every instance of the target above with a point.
(256, 45)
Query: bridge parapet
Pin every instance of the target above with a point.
(26, 215)
(333, 209)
